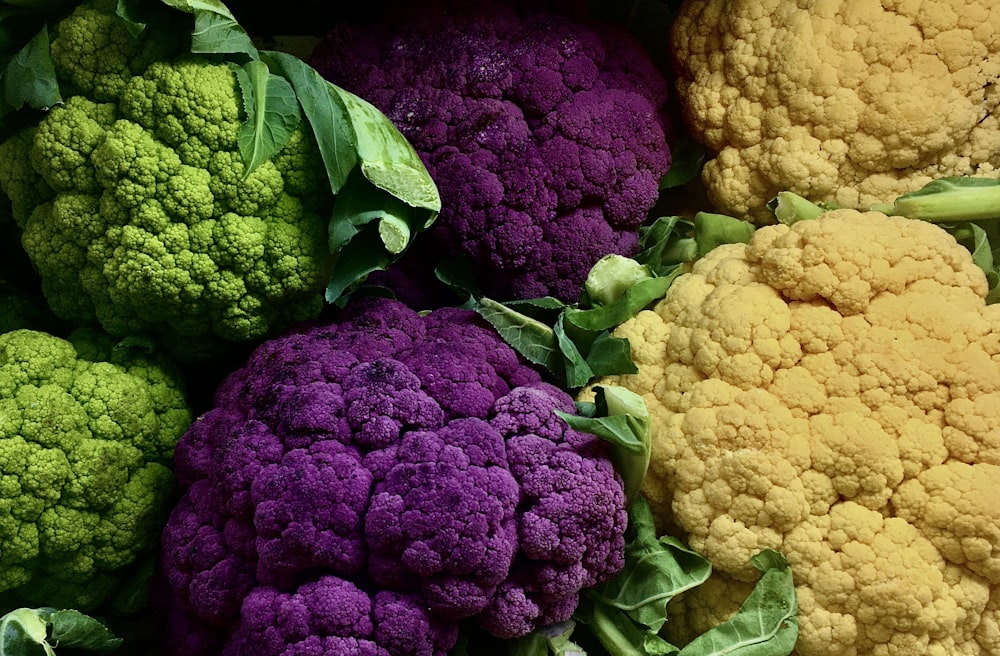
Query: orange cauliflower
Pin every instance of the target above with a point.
(831, 390)
(841, 102)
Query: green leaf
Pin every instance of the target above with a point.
(657, 569)
(618, 635)
(621, 419)
(23, 633)
(366, 230)
(459, 276)
(575, 368)
(272, 114)
(71, 628)
(30, 78)
(352, 131)
(554, 640)
(611, 276)
(37, 631)
(531, 338)
(713, 230)
(666, 243)
(216, 30)
(687, 158)
(326, 113)
(610, 356)
(981, 249)
(626, 306)
(388, 160)
(765, 625)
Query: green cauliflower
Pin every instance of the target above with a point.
(133, 203)
(87, 433)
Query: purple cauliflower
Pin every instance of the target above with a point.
(365, 485)
(545, 133)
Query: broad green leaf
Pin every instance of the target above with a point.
(610, 356)
(618, 635)
(71, 628)
(531, 338)
(366, 229)
(23, 633)
(981, 249)
(272, 114)
(666, 243)
(687, 158)
(765, 625)
(388, 160)
(459, 276)
(325, 112)
(38, 631)
(576, 371)
(712, 230)
(351, 131)
(216, 30)
(542, 306)
(657, 569)
(30, 78)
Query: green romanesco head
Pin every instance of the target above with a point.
(86, 439)
(137, 211)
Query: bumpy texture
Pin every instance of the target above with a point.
(86, 440)
(850, 103)
(832, 390)
(361, 486)
(543, 134)
(133, 204)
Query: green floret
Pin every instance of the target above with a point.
(63, 147)
(24, 187)
(87, 433)
(191, 106)
(96, 54)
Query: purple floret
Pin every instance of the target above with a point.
(544, 132)
(365, 503)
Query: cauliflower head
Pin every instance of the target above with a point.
(842, 102)
(409, 471)
(87, 436)
(544, 133)
(831, 390)
(135, 208)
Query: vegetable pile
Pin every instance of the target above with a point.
(499, 328)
